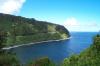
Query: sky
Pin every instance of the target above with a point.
(75, 15)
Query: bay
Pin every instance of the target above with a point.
(56, 51)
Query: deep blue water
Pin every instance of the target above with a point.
(56, 51)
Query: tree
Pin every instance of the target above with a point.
(3, 36)
(42, 62)
(6, 59)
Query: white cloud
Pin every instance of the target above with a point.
(11, 6)
(72, 24)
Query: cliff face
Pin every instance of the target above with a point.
(24, 30)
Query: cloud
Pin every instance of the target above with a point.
(11, 6)
(73, 24)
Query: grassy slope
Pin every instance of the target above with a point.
(89, 57)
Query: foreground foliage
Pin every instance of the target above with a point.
(90, 57)
(42, 62)
(6, 58)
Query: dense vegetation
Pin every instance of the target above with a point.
(19, 30)
(6, 58)
(42, 62)
(90, 57)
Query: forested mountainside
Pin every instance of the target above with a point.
(19, 30)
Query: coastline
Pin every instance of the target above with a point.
(15, 46)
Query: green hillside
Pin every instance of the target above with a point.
(89, 57)
(21, 30)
